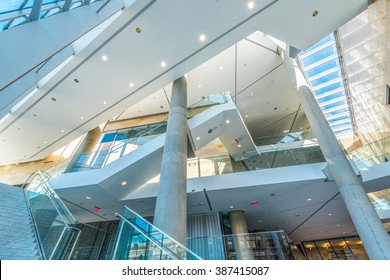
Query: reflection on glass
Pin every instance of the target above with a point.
(312, 251)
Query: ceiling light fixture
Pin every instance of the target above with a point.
(105, 102)
(199, 86)
(227, 121)
(221, 68)
(124, 183)
(163, 64)
(330, 214)
(231, 206)
(246, 116)
(45, 142)
(88, 197)
(82, 118)
(131, 84)
(202, 37)
(309, 199)
(251, 5)
(197, 138)
(62, 130)
(315, 13)
(104, 57)
(239, 145)
(260, 221)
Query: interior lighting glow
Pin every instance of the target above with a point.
(163, 64)
(251, 5)
(202, 37)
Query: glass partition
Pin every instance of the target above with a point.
(271, 245)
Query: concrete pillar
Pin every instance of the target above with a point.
(170, 214)
(375, 238)
(87, 146)
(241, 238)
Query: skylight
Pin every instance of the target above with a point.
(16, 12)
(321, 66)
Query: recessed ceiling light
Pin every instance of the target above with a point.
(315, 13)
(286, 131)
(309, 199)
(62, 130)
(231, 206)
(131, 84)
(338, 225)
(105, 102)
(239, 145)
(45, 142)
(124, 183)
(88, 197)
(163, 64)
(199, 86)
(251, 93)
(81, 118)
(221, 68)
(251, 5)
(260, 221)
(202, 37)
(104, 57)
(197, 138)
(246, 116)
(227, 121)
(116, 213)
(330, 214)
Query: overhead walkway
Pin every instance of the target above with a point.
(105, 171)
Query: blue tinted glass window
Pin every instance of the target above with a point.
(330, 106)
(336, 112)
(326, 78)
(329, 88)
(339, 119)
(331, 97)
(7, 6)
(108, 137)
(323, 67)
(318, 56)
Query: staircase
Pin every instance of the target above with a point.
(17, 235)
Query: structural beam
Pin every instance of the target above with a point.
(36, 10)
(67, 5)
(375, 238)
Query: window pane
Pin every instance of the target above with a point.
(356, 245)
(341, 249)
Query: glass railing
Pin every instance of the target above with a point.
(284, 138)
(137, 239)
(271, 245)
(380, 199)
(53, 223)
(371, 154)
(101, 158)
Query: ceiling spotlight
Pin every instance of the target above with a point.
(239, 145)
(81, 118)
(62, 130)
(45, 142)
(138, 30)
(309, 199)
(260, 221)
(330, 214)
(221, 68)
(197, 138)
(105, 102)
(315, 13)
(246, 116)
(124, 183)
(163, 64)
(104, 57)
(131, 84)
(251, 5)
(88, 197)
(202, 37)
(199, 86)
(231, 206)
(227, 121)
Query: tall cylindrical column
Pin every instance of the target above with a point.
(241, 238)
(170, 214)
(87, 146)
(375, 238)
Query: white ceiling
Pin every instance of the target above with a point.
(135, 58)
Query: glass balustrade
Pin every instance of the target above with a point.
(261, 246)
(137, 239)
(371, 154)
(53, 222)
